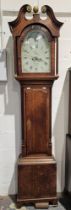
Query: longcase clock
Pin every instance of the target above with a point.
(36, 68)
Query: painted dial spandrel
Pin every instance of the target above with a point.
(35, 53)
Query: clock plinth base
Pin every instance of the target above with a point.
(37, 180)
(45, 203)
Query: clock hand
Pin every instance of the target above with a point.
(37, 59)
(41, 59)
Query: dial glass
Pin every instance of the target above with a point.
(36, 52)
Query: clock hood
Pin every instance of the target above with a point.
(51, 23)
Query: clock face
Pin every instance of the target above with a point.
(36, 52)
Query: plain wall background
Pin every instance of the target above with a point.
(10, 107)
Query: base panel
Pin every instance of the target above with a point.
(42, 203)
(37, 180)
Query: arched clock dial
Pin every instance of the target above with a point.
(35, 52)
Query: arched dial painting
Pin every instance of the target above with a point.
(35, 50)
(36, 68)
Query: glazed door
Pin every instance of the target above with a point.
(37, 119)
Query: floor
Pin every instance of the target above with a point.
(8, 203)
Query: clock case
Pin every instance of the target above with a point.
(36, 165)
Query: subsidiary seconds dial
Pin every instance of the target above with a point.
(35, 52)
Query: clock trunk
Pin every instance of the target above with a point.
(36, 102)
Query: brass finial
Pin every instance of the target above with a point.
(43, 9)
(35, 9)
(29, 8)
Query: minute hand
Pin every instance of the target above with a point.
(36, 59)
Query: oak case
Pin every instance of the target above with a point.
(36, 165)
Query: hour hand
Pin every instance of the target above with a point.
(36, 59)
